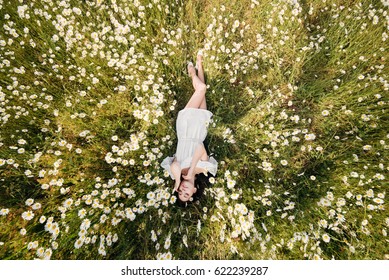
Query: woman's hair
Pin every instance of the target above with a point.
(201, 182)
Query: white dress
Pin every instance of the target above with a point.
(192, 127)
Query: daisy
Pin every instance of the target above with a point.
(367, 147)
(323, 223)
(40, 252)
(36, 206)
(153, 236)
(68, 202)
(29, 246)
(378, 200)
(150, 195)
(47, 254)
(371, 207)
(185, 240)
(326, 238)
(173, 199)
(167, 243)
(310, 137)
(28, 215)
(29, 201)
(78, 243)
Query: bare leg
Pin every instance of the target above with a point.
(200, 73)
(200, 88)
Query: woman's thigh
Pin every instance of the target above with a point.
(196, 100)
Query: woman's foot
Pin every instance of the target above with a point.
(199, 59)
(191, 69)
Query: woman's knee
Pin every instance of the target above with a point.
(202, 88)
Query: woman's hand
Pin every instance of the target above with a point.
(176, 186)
(189, 175)
(175, 168)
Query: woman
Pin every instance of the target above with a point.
(191, 159)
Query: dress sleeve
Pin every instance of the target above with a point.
(166, 165)
(210, 165)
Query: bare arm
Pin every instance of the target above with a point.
(200, 153)
(175, 169)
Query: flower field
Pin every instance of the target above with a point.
(89, 95)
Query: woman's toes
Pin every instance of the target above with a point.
(191, 69)
(199, 59)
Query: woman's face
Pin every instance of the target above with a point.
(186, 190)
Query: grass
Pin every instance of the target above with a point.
(298, 90)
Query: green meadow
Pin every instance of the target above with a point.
(89, 96)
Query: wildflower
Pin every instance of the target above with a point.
(168, 256)
(47, 254)
(68, 202)
(367, 147)
(40, 252)
(28, 215)
(78, 243)
(32, 245)
(379, 176)
(4, 211)
(310, 137)
(371, 207)
(153, 236)
(150, 195)
(29, 201)
(267, 166)
(167, 243)
(231, 184)
(284, 162)
(354, 174)
(323, 223)
(81, 213)
(378, 200)
(370, 193)
(86, 223)
(185, 240)
(173, 199)
(326, 238)
(325, 113)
